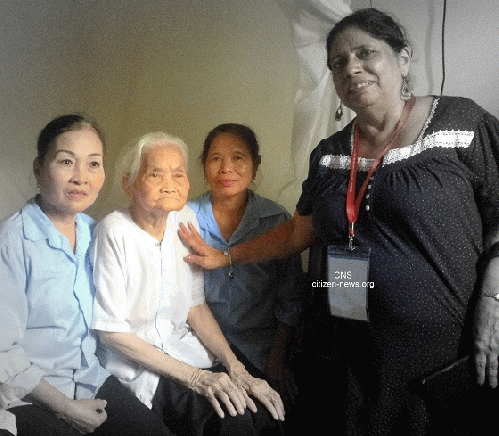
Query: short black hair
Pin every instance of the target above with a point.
(244, 133)
(58, 126)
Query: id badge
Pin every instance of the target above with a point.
(347, 281)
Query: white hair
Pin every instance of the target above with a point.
(129, 165)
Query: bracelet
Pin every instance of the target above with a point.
(231, 268)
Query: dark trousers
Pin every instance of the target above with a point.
(187, 413)
(126, 415)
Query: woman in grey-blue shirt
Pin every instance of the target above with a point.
(257, 305)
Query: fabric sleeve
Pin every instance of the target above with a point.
(18, 376)
(108, 262)
(8, 422)
(197, 287)
(197, 296)
(309, 186)
(291, 291)
(483, 161)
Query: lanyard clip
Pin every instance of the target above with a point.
(351, 233)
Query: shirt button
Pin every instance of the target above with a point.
(367, 207)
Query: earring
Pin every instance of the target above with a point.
(405, 92)
(339, 112)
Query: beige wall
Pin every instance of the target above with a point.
(182, 66)
(185, 66)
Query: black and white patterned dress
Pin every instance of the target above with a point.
(427, 209)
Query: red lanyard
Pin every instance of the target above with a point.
(352, 203)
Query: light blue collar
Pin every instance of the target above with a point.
(37, 226)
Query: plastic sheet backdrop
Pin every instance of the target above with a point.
(316, 100)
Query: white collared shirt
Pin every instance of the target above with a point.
(144, 287)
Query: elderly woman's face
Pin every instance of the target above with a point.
(366, 70)
(162, 184)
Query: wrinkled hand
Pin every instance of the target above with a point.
(84, 415)
(206, 257)
(259, 389)
(486, 339)
(219, 387)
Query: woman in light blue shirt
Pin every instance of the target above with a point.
(51, 381)
(257, 305)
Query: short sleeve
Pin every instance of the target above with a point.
(483, 159)
(336, 148)
(108, 262)
(309, 186)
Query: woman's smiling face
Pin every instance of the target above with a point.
(229, 167)
(366, 70)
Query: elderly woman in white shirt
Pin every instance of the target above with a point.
(158, 335)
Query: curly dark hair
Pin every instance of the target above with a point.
(374, 22)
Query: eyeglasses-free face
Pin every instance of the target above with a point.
(71, 174)
(162, 184)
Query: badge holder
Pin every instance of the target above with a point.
(348, 285)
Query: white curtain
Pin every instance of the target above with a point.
(316, 100)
